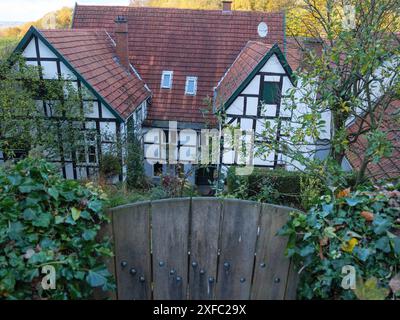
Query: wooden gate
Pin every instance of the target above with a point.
(201, 248)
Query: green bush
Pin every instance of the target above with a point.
(110, 165)
(274, 186)
(46, 220)
(359, 229)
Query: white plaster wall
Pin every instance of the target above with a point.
(273, 66)
(252, 106)
(49, 69)
(30, 50)
(106, 113)
(253, 87)
(237, 107)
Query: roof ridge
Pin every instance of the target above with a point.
(130, 8)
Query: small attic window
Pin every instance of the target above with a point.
(271, 93)
(191, 86)
(166, 79)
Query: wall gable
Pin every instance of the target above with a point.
(274, 53)
(35, 34)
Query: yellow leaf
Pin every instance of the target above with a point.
(369, 290)
(349, 246)
(76, 213)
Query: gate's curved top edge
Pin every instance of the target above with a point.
(212, 199)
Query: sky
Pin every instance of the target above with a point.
(31, 10)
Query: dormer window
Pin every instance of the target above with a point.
(191, 86)
(166, 79)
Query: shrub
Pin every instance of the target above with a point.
(360, 229)
(110, 165)
(46, 220)
(274, 186)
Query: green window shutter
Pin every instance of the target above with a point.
(271, 93)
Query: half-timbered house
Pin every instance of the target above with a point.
(151, 66)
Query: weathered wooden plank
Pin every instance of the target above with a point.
(132, 247)
(170, 233)
(292, 283)
(271, 269)
(238, 241)
(205, 223)
(107, 231)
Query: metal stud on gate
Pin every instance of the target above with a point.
(262, 265)
(142, 279)
(172, 272)
(242, 280)
(161, 263)
(202, 272)
(178, 279)
(211, 279)
(194, 264)
(277, 280)
(133, 271)
(124, 264)
(227, 265)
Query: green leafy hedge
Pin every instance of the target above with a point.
(46, 220)
(359, 229)
(273, 186)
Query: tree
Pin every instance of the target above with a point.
(24, 124)
(353, 79)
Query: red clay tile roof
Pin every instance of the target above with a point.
(246, 62)
(202, 43)
(386, 167)
(92, 54)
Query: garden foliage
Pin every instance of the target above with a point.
(290, 188)
(46, 220)
(359, 229)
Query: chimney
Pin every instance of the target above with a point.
(121, 41)
(227, 6)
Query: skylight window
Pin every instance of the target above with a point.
(166, 79)
(191, 86)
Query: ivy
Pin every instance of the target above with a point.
(56, 223)
(360, 229)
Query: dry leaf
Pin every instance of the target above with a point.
(368, 216)
(344, 193)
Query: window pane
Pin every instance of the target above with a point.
(92, 154)
(166, 80)
(158, 169)
(271, 93)
(190, 87)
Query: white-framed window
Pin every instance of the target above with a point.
(166, 79)
(86, 154)
(191, 86)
